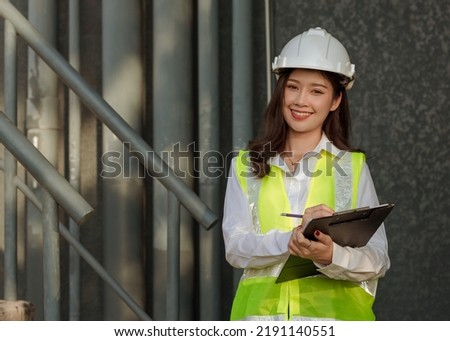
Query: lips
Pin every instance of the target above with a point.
(300, 115)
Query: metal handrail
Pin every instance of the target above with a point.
(82, 251)
(149, 159)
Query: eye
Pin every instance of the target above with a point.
(292, 86)
(317, 92)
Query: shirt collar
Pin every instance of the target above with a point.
(324, 144)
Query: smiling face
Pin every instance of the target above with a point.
(308, 99)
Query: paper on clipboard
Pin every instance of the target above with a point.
(349, 228)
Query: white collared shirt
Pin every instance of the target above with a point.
(245, 248)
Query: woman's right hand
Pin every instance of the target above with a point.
(315, 212)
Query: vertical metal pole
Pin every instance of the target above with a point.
(209, 140)
(242, 73)
(10, 92)
(74, 157)
(268, 35)
(173, 258)
(43, 130)
(43, 124)
(122, 72)
(51, 258)
(242, 80)
(173, 118)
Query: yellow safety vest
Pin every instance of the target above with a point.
(258, 297)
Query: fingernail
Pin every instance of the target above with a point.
(317, 233)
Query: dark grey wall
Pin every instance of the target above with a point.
(400, 116)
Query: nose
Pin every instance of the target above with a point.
(301, 98)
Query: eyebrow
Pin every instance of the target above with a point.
(312, 84)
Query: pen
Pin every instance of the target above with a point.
(293, 215)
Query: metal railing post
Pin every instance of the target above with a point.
(122, 209)
(209, 140)
(268, 39)
(242, 73)
(173, 258)
(51, 264)
(173, 132)
(74, 158)
(10, 86)
(43, 128)
(242, 81)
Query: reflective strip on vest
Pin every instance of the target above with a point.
(258, 297)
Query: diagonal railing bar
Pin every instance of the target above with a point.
(150, 160)
(43, 171)
(83, 252)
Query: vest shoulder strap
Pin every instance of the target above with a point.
(358, 161)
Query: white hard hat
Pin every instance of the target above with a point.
(316, 49)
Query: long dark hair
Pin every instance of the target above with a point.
(336, 126)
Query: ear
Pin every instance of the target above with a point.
(336, 102)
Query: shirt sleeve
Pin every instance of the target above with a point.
(244, 247)
(362, 263)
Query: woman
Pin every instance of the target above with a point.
(303, 164)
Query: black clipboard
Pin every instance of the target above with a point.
(350, 228)
(347, 228)
(296, 267)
